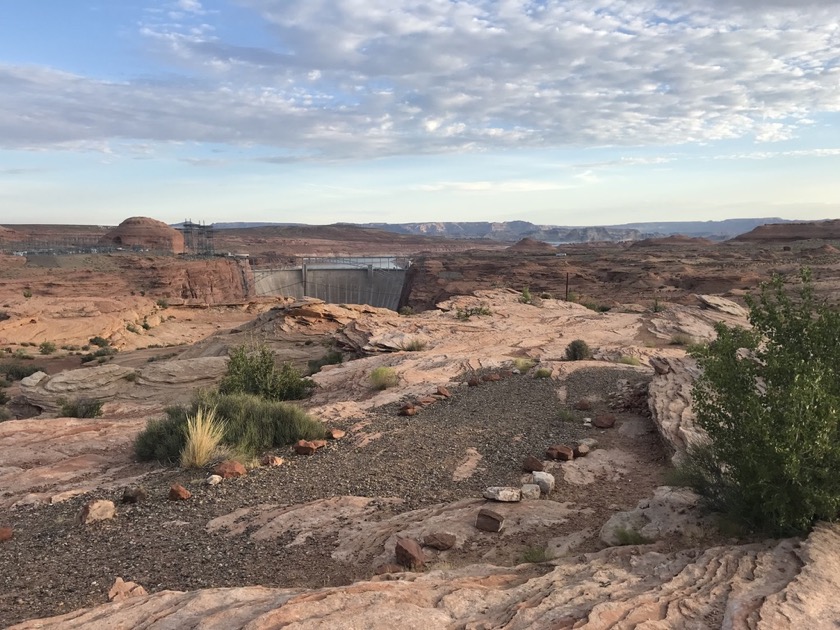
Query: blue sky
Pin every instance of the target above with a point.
(570, 112)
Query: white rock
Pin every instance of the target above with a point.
(544, 480)
(503, 494)
(530, 491)
(212, 480)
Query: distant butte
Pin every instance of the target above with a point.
(145, 233)
(825, 230)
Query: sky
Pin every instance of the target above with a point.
(562, 112)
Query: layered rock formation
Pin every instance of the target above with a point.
(145, 233)
(785, 232)
(766, 586)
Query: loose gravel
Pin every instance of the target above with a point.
(54, 565)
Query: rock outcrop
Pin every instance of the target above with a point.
(786, 232)
(147, 234)
(669, 397)
(764, 586)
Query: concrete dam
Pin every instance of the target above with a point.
(377, 281)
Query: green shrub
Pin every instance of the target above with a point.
(769, 400)
(657, 307)
(630, 537)
(629, 360)
(100, 355)
(146, 325)
(542, 373)
(22, 355)
(383, 378)
(132, 328)
(333, 357)
(4, 397)
(253, 370)
(536, 555)
(407, 311)
(465, 313)
(681, 339)
(566, 415)
(81, 408)
(251, 425)
(526, 298)
(414, 345)
(27, 293)
(545, 295)
(578, 350)
(99, 341)
(17, 371)
(523, 365)
(46, 347)
(5, 414)
(163, 303)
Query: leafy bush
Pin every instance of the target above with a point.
(251, 425)
(81, 408)
(204, 433)
(383, 378)
(566, 415)
(542, 373)
(253, 370)
(769, 400)
(18, 371)
(526, 298)
(100, 354)
(47, 347)
(657, 307)
(578, 350)
(4, 397)
(132, 328)
(162, 303)
(99, 341)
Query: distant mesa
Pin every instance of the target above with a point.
(6, 233)
(532, 246)
(781, 232)
(676, 239)
(145, 233)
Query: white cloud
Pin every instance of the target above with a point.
(393, 77)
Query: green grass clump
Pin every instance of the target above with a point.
(81, 408)
(537, 555)
(406, 311)
(414, 345)
(523, 365)
(251, 425)
(681, 339)
(99, 341)
(542, 373)
(566, 415)
(578, 350)
(18, 371)
(629, 360)
(204, 434)
(525, 297)
(465, 313)
(383, 378)
(47, 347)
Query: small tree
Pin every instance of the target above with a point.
(769, 400)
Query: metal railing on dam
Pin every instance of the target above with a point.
(377, 281)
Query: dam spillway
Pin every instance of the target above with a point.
(376, 281)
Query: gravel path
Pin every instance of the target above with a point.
(53, 565)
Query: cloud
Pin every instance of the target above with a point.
(346, 80)
(511, 186)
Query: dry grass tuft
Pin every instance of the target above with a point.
(204, 434)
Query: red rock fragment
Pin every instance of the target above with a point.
(489, 521)
(561, 452)
(272, 461)
(409, 554)
(408, 410)
(305, 447)
(319, 443)
(122, 590)
(442, 391)
(426, 400)
(335, 434)
(532, 464)
(604, 421)
(179, 493)
(583, 405)
(440, 541)
(473, 382)
(491, 377)
(230, 469)
(6, 533)
(98, 510)
(581, 450)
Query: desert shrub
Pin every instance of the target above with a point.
(132, 328)
(536, 555)
(383, 378)
(542, 373)
(4, 397)
(525, 297)
(681, 339)
(101, 355)
(47, 347)
(27, 293)
(414, 345)
(566, 415)
(130, 377)
(629, 360)
(162, 303)
(5, 414)
(251, 425)
(657, 307)
(545, 295)
(465, 313)
(594, 306)
(99, 341)
(769, 400)
(4, 382)
(578, 350)
(407, 311)
(204, 433)
(630, 537)
(163, 439)
(81, 408)
(251, 369)
(333, 357)
(523, 365)
(4, 316)
(22, 355)
(18, 371)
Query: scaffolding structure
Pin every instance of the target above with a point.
(198, 238)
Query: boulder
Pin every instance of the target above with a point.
(439, 540)
(544, 480)
(561, 452)
(98, 510)
(177, 492)
(530, 491)
(134, 494)
(489, 521)
(230, 469)
(503, 494)
(122, 590)
(531, 464)
(409, 554)
(604, 421)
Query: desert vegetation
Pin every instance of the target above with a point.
(383, 378)
(769, 400)
(252, 369)
(578, 350)
(81, 408)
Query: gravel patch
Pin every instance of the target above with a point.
(54, 565)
